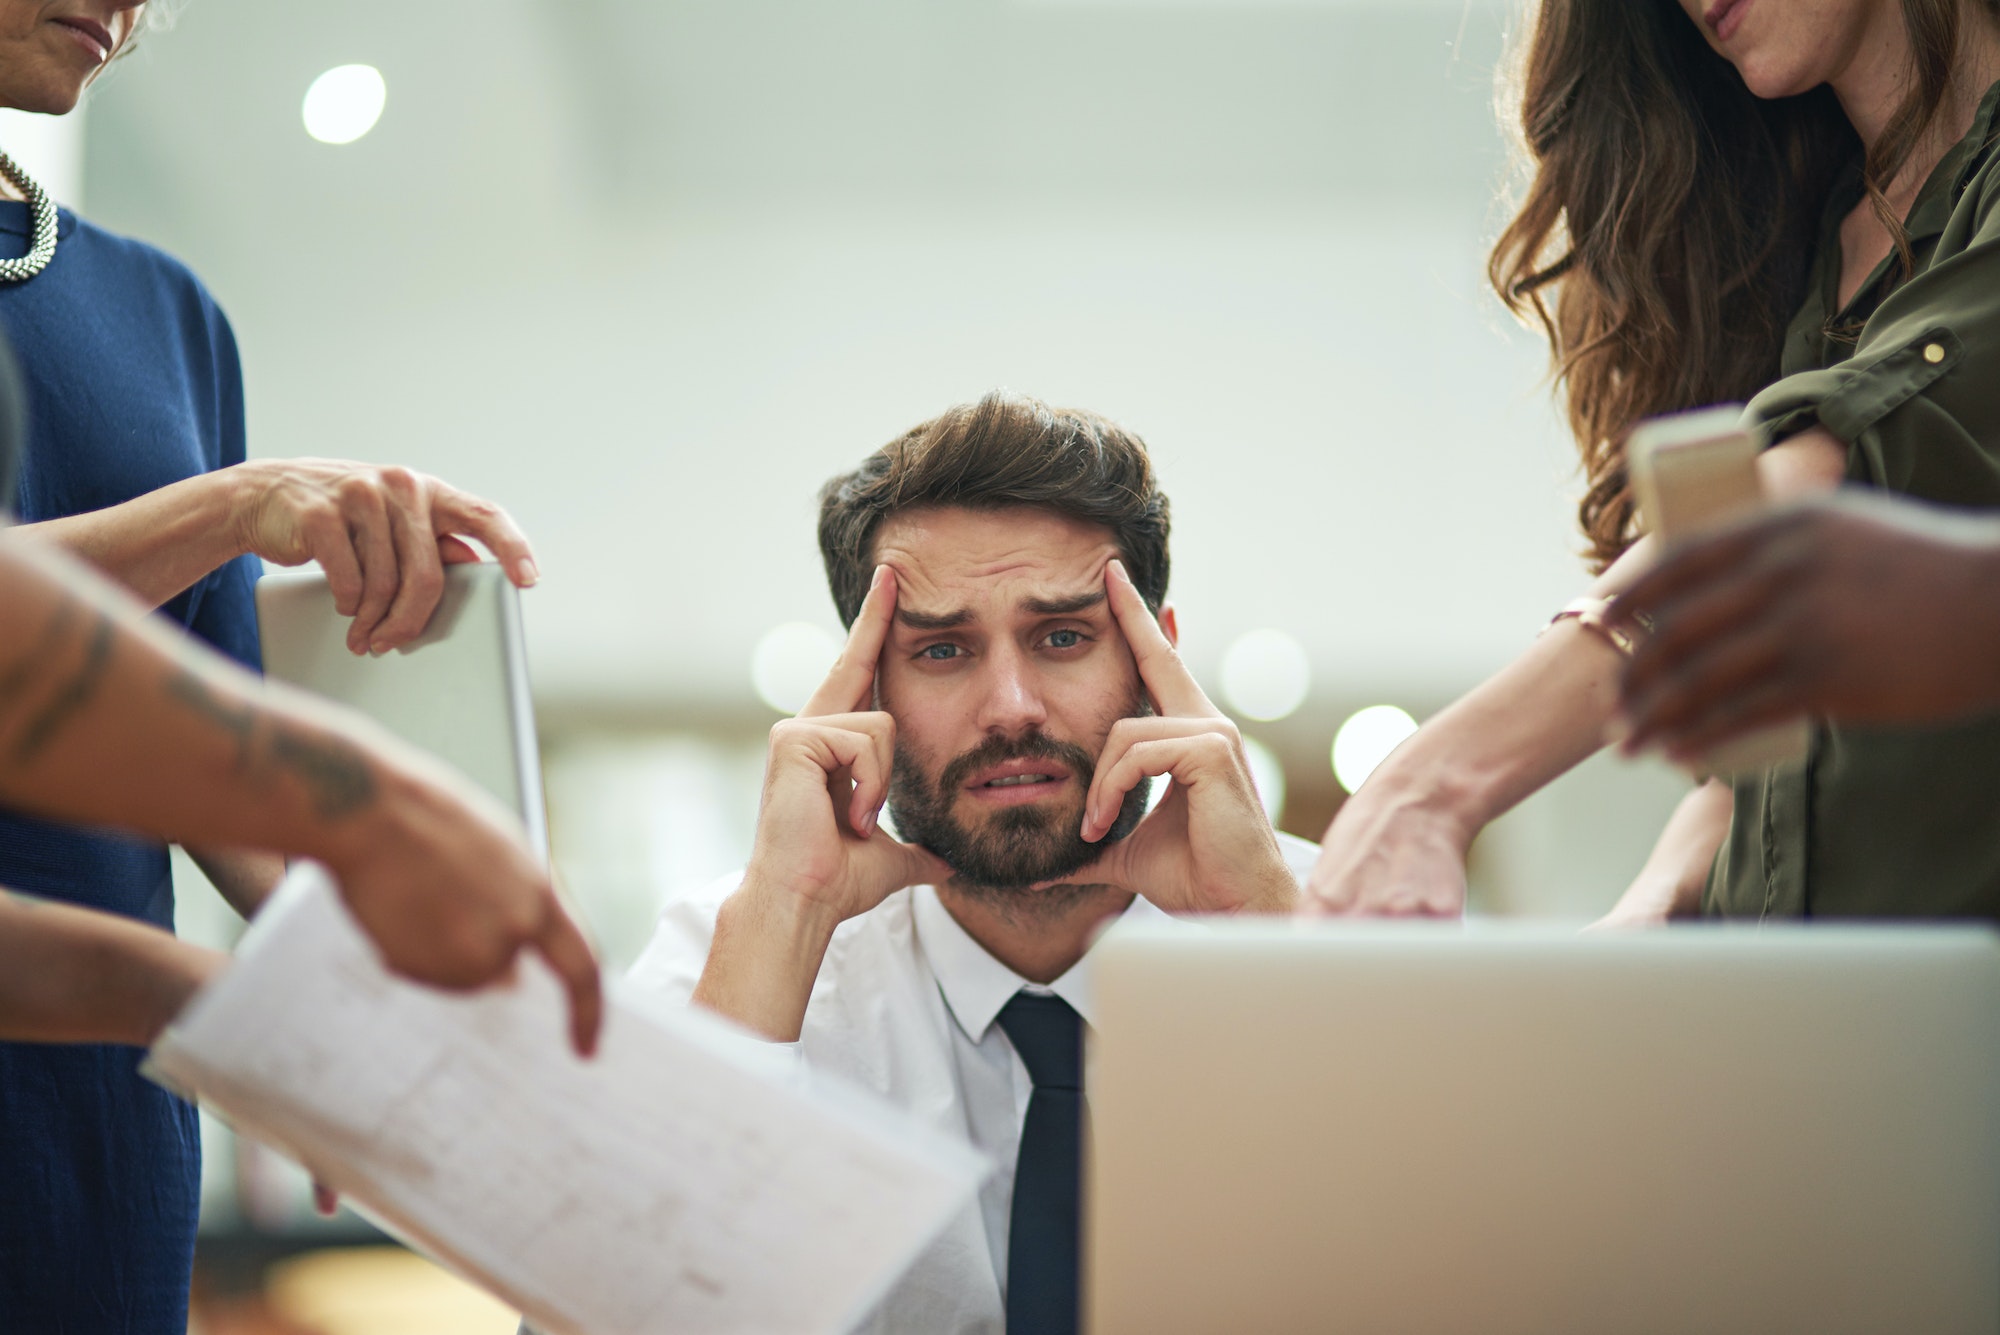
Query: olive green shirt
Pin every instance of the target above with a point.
(1881, 822)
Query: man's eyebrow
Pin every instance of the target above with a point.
(933, 620)
(1044, 607)
(1062, 607)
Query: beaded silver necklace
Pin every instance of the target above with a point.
(42, 212)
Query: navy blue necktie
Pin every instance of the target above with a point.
(1042, 1239)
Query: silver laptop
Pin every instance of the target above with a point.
(1502, 1130)
(460, 690)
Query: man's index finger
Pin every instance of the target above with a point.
(846, 688)
(1172, 686)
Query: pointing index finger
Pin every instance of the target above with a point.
(846, 689)
(1173, 688)
(561, 943)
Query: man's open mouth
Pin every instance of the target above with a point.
(1021, 779)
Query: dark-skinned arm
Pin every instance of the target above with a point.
(73, 975)
(1856, 606)
(109, 717)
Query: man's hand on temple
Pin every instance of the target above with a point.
(1208, 846)
(825, 780)
(820, 856)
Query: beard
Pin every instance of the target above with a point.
(1014, 850)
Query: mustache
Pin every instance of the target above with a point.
(998, 750)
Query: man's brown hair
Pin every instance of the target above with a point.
(1005, 450)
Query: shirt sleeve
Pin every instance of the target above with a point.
(1918, 404)
(670, 966)
(226, 616)
(224, 610)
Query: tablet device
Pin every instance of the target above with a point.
(459, 690)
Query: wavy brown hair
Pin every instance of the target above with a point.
(1663, 241)
(1004, 451)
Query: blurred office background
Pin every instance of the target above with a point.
(648, 271)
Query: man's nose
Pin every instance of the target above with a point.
(1012, 702)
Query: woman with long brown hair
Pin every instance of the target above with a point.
(1794, 202)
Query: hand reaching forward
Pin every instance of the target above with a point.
(382, 534)
(1383, 857)
(1208, 846)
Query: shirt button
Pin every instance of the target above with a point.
(1933, 353)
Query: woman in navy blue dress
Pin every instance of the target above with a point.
(135, 460)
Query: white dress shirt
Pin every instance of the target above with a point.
(905, 1005)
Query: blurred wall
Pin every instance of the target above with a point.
(647, 271)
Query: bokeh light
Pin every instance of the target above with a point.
(790, 662)
(1366, 740)
(1265, 675)
(344, 103)
(1268, 773)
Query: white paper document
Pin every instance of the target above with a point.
(669, 1184)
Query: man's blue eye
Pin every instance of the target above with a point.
(940, 652)
(1065, 639)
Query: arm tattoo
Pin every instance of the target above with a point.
(20, 675)
(239, 721)
(336, 773)
(73, 693)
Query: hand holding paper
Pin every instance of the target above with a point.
(667, 1185)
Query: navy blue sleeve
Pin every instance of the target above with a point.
(227, 615)
(223, 608)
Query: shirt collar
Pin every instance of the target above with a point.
(975, 985)
(1928, 215)
(1940, 194)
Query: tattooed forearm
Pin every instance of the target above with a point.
(72, 695)
(338, 774)
(238, 720)
(17, 677)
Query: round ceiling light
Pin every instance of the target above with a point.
(1266, 675)
(790, 662)
(344, 103)
(1366, 740)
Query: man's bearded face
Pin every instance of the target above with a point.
(1003, 855)
(1005, 672)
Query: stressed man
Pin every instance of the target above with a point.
(1011, 690)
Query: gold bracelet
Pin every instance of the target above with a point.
(1589, 613)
